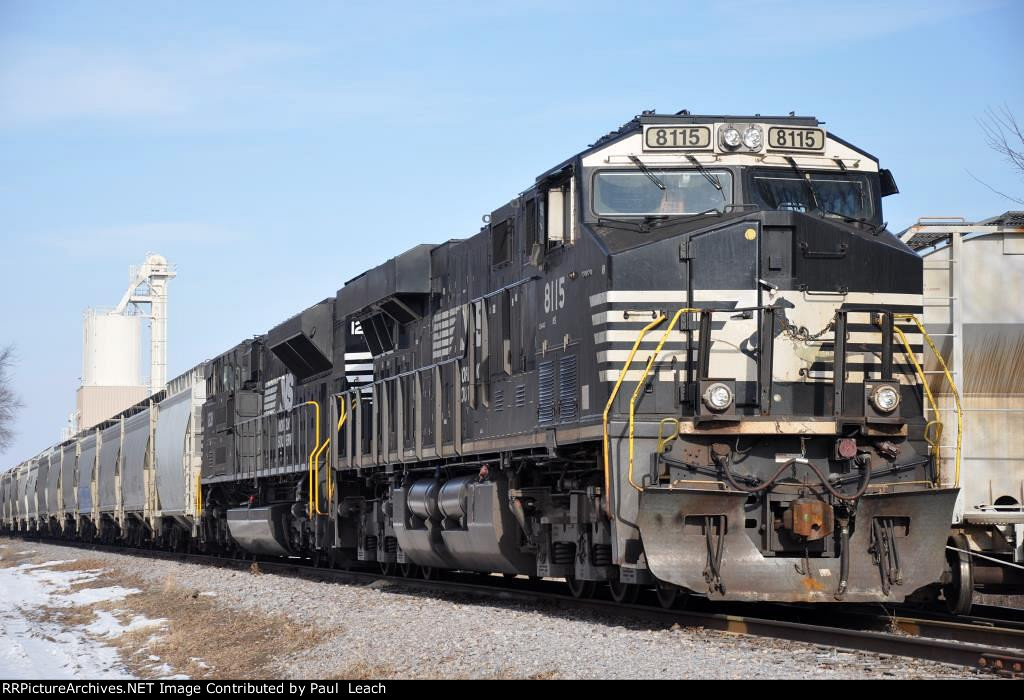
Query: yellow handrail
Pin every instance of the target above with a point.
(611, 400)
(936, 447)
(664, 440)
(314, 488)
(342, 417)
(643, 381)
(344, 414)
(199, 494)
(314, 451)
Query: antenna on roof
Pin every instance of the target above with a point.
(683, 113)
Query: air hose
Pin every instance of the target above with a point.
(725, 463)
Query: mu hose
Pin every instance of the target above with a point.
(865, 480)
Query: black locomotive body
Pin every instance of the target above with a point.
(704, 395)
(685, 358)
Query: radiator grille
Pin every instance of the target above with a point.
(568, 389)
(546, 392)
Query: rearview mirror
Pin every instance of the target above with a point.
(537, 255)
(888, 183)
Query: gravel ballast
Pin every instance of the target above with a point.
(386, 631)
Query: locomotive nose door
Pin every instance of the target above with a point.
(725, 267)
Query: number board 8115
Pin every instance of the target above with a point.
(676, 138)
(796, 139)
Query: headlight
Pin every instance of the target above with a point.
(752, 138)
(717, 397)
(885, 398)
(731, 137)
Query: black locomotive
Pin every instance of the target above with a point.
(684, 358)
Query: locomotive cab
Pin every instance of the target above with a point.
(758, 343)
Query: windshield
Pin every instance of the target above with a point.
(635, 193)
(826, 192)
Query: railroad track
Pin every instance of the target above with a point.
(980, 641)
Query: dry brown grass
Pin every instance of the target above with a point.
(12, 553)
(198, 635)
(232, 643)
(87, 564)
(67, 617)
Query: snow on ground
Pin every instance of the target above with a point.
(38, 649)
(108, 626)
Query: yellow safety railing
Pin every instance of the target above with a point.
(314, 462)
(342, 418)
(611, 400)
(664, 440)
(314, 476)
(315, 452)
(643, 381)
(199, 494)
(934, 441)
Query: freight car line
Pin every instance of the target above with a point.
(980, 644)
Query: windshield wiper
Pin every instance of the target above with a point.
(853, 219)
(651, 221)
(806, 179)
(642, 226)
(671, 219)
(647, 171)
(707, 176)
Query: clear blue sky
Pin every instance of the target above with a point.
(273, 151)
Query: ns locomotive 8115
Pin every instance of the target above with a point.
(686, 358)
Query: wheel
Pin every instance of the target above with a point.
(581, 589)
(409, 570)
(388, 568)
(669, 595)
(959, 592)
(623, 592)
